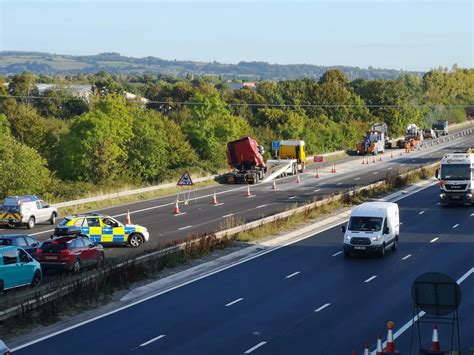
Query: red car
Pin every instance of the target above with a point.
(70, 253)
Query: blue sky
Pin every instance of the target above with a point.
(410, 35)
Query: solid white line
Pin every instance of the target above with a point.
(261, 206)
(182, 228)
(291, 198)
(322, 307)
(179, 214)
(434, 240)
(357, 178)
(421, 212)
(255, 347)
(218, 204)
(370, 278)
(456, 225)
(234, 302)
(142, 300)
(293, 274)
(152, 340)
(251, 196)
(408, 324)
(339, 252)
(406, 257)
(228, 215)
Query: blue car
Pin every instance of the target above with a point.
(25, 241)
(18, 268)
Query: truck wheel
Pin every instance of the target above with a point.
(52, 220)
(31, 223)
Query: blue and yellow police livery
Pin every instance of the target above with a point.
(103, 229)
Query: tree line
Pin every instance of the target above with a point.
(62, 146)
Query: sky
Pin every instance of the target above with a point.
(403, 34)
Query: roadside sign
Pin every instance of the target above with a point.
(185, 180)
(275, 145)
(318, 159)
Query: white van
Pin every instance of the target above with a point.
(373, 227)
(26, 210)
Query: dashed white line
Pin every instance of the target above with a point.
(228, 215)
(336, 254)
(339, 183)
(255, 347)
(438, 203)
(291, 198)
(390, 168)
(357, 178)
(182, 228)
(234, 302)
(421, 212)
(218, 204)
(179, 214)
(472, 214)
(456, 225)
(261, 206)
(434, 240)
(402, 164)
(370, 278)
(293, 274)
(152, 340)
(406, 257)
(322, 307)
(317, 190)
(375, 172)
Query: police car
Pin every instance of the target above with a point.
(103, 229)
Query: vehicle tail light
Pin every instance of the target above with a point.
(65, 251)
(38, 251)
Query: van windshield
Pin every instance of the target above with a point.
(371, 224)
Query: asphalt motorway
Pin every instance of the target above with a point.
(304, 298)
(201, 216)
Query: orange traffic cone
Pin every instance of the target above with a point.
(435, 340)
(333, 170)
(274, 186)
(298, 180)
(373, 159)
(379, 346)
(214, 199)
(380, 158)
(176, 208)
(366, 348)
(247, 193)
(390, 348)
(363, 160)
(128, 220)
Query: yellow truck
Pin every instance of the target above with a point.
(289, 157)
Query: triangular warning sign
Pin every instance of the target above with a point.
(185, 180)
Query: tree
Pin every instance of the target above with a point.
(4, 126)
(23, 86)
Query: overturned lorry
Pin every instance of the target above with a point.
(245, 157)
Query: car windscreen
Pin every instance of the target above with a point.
(367, 224)
(456, 172)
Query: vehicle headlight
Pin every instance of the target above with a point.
(442, 195)
(348, 237)
(376, 239)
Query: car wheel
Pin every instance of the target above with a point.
(31, 223)
(135, 240)
(76, 267)
(52, 220)
(100, 260)
(382, 251)
(395, 244)
(36, 279)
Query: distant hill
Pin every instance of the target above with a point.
(14, 62)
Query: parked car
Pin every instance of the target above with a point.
(25, 241)
(70, 253)
(18, 268)
(429, 134)
(103, 229)
(27, 211)
(4, 349)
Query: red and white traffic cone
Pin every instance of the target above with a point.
(274, 186)
(366, 348)
(363, 160)
(247, 193)
(391, 154)
(176, 208)
(298, 180)
(128, 220)
(435, 340)
(379, 350)
(390, 348)
(401, 153)
(317, 174)
(214, 199)
(380, 158)
(373, 160)
(333, 168)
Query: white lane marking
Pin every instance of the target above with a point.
(293, 274)
(472, 214)
(438, 203)
(228, 215)
(402, 164)
(370, 278)
(182, 228)
(250, 196)
(317, 190)
(218, 204)
(434, 240)
(390, 168)
(357, 178)
(152, 340)
(234, 302)
(336, 254)
(339, 183)
(375, 172)
(421, 212)
(406, 257)
(408, 324)
(255, 347)
(132, 304)
(261, 206)
(456, 225)
(37, 233)
(179, 214)
(291, 198)
(322, 307)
